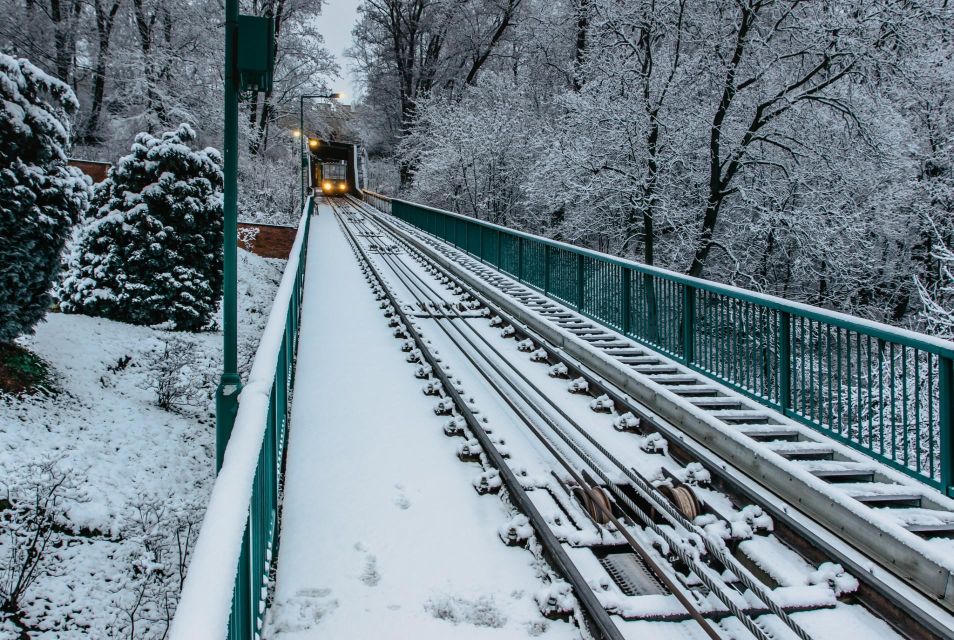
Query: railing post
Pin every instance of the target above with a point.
(546, 269)
(625, 302)
(945, 378)
(497, 231)
(580, 281)
(784, 361)
(520, 258)
(688, 322)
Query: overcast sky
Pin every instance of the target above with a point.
(335, 23)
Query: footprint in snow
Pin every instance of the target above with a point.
(370, 575)
(302, 611)
(402, 502)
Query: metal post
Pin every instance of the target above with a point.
(498, 265)
(688, 323)
(625, 301)
(945, 378)
(546, 269)
(520, 258)
(784, 361)
(226, 397)
(301, 147)
(580, 281)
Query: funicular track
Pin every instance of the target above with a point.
(723, 593)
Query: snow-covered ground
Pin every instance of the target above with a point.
(383, 534)
(133, 478)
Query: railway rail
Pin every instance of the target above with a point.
(655, 534)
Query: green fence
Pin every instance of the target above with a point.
(227, 581)
(882, 390)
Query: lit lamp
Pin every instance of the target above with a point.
(296, 132)
(313, 143)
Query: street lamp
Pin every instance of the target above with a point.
(301, 128)
(248, 67)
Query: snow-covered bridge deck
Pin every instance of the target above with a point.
(382, 534)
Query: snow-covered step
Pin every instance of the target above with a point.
(839, 470)
(748, 416)
(718, 402)
(796, 450)
(688, 390)
(654, 368)
(639, 359)
(619, 352)
(881, 493)
(925, 522)
(769, 432)
(588, 331)
(675, 379)
(604, 340)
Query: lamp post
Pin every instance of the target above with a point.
(301, 138)
(247, 68)
(226, 396)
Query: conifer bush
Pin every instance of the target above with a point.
(150, 253)
(41, 198)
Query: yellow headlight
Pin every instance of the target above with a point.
(342, 185)
(327, 185)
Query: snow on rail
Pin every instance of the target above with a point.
(206, 599)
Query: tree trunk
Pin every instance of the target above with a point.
(60, 41)
(104, 28)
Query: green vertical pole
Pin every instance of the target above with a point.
(520, 258)
(301, 147)
(546, 269)
(580, 282)
(226, 397)
(945, 378)
(498, 248)
(784, 361)
(688, 322)
(625, 302)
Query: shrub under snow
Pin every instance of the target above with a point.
(151, 252)
(40, 197)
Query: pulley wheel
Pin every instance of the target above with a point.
(596, 502)
(684, 500)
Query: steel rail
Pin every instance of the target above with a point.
(649, 493)
(597, 614)
(564, 462)
(713, 582)
(889, 587)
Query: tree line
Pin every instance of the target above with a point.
(794, 147)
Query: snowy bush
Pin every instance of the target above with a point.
(159, 536)
(40, 197)
(151, 253)
(178, 376)
(29, 505)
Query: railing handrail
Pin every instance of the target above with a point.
(206, 599)
(876, 329)
(375, 194)
(885, 391)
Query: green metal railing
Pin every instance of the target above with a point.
(882, 390)
(227, 582)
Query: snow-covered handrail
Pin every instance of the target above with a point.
(883, 390)
(222, 595)
(377, 200)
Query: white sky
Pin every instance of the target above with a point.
(335, 23)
